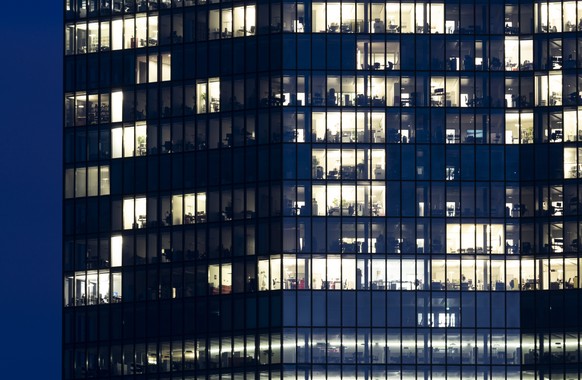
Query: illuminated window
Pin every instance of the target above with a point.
(220, 279)
(208, 95)
(519, 128)
(548, 89)
(338, 18)
(89, 181)
(116, 106)
(475, 238)
(188, 208)
(92, 288)
(572, 163)
(129, 141)
(134, 213)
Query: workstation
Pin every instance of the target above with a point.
(351, 268)
(348, 164)
(348, 127)
(337, 18)
(238, 21)
(349, 200)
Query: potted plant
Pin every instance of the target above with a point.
(202, 106)
(141, 145)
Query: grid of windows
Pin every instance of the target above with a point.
(357, 189)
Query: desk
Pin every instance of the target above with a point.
(555, 99)
(346, 28)
(351, 247)
(362, 100)
(333, 28)
(333, 284)
(378, 285)
(200, 217)
(511, 66)
(348, 172)
(436, 285)
(214, 105)
(437, 97)
(453, 286)
(569, 27)
(348, 137)
(511, 30)
(405, 102)
(317, 100)
(290, 283)
(393, 28)
(529, 285)
(556, 62)
(378, 102)
(395, 285)
(336, 211)
(333, 174)
(453, 138)
(189, 219)
(141, 150)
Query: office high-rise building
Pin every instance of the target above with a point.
(310, 189)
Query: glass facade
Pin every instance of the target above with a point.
(322, 190)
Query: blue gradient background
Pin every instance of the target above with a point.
(30, 188)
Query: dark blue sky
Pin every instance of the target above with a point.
(30, 188)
